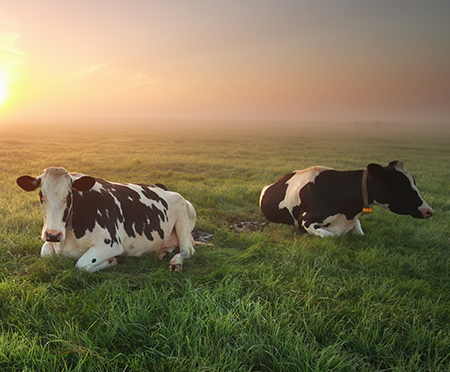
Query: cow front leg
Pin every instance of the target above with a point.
(48, 249)
(99, 258)
(318, 228)
(357, 229)
(319, 231)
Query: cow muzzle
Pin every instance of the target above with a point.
(427, 213)
(53, 236)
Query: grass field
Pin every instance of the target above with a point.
(255, 301)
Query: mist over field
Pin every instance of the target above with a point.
(180, 127)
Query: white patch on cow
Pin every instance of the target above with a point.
(295, 183)
(336, 225)
(55, 186)
(97, 257)
(357, 229)
(263, 191)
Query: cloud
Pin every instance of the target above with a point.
(83, 70)
(139, 80)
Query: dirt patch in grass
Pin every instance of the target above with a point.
(202, 236)
(246, 226)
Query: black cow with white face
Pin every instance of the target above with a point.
(94, 221)
(326, 202)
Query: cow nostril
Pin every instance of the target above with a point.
(428, 214)
(54, 237)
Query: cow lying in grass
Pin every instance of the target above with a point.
(326, 202)
(94, 221)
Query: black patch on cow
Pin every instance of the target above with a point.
(161, 186)
(331, 193)
(118, 204)
(68, 209)
(321, 226)
(66, 214)
(273, 196)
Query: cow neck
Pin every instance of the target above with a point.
(365, 193)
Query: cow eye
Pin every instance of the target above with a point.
(69, 198)
(41, 197)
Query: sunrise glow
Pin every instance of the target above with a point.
(255, 60)
(5, 79)
(3, 91)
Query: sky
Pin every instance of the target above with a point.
(333, 60)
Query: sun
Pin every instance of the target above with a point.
(3, 91)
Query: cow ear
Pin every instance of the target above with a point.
(84, 183)
(375, 170)
(397, 164)
(28, 183)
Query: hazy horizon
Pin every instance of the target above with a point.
(181, 128)
(291, 60)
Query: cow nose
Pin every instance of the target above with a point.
(53, 236)
(428, 213)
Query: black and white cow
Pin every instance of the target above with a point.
(326, 202)
(94, 221)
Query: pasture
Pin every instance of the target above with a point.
(270, 300)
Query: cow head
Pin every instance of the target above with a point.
(395, 189)
(56, 186)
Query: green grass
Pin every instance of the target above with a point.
(263, 301)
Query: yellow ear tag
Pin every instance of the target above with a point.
(368, 210)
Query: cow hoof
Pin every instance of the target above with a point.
(175, 267)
